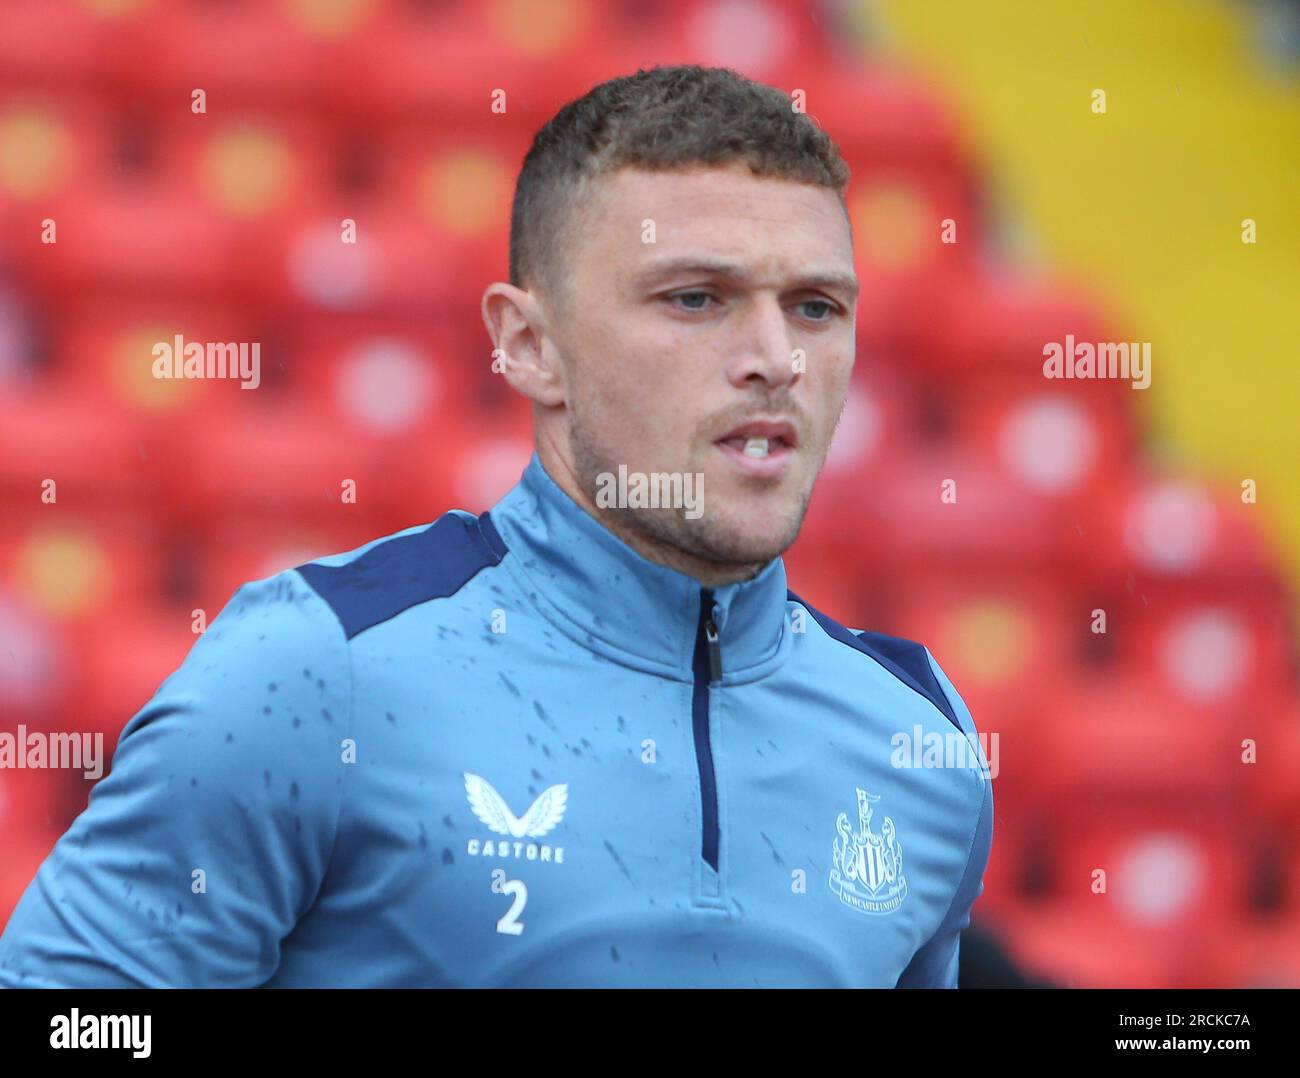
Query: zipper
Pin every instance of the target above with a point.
(707, 667)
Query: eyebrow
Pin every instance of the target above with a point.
(717, 268)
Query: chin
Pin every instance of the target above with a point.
(749, 541)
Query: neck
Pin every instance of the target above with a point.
(595, 588)
(709, 573)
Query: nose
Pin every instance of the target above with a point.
(763, 350)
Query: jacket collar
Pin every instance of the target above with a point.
(603, 594)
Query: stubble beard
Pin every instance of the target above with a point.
(707, 537)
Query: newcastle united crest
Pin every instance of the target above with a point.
(867, 867)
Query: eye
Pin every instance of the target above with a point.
(829, 309)
(691, 296)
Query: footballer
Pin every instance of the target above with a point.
(590, 737)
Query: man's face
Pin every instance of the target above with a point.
(722, 349)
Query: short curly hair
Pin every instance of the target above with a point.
(658, 119)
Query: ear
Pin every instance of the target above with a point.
(523, 351)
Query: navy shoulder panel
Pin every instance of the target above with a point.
(400, 573)
(905, 659)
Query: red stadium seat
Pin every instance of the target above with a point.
(873, 437)
(1175, 528)
(1171, 863)
(1275, 793)
(79, 567)
(399, 263)
(238, 53)
(766, 39)
(49, 143)
(449, 59)
(1177, 879)
(1212, 654)
(483, 466)
(105, 349)
(38, 680)
(247, 168)
(1008, 639)
(1049, 440)
(390, 378)
(955, 503)
(142, 237)
(44, 463)
(1088, 948)
(1256, 953)
(80, 52)
(837, 586)
(1121, 736)
(267, 460)
(992, 332)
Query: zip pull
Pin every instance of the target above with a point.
(715, 650)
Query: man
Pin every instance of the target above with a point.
(587, 738)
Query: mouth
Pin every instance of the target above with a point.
(761, 447)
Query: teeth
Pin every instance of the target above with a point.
(755, 447)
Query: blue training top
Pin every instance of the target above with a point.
(508, 750)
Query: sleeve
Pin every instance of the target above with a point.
(935, 963)
(211, 835)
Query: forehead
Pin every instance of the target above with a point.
(725, 211)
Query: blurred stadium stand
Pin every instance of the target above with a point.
(1119, 750)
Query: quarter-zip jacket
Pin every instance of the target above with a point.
(508, 750)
